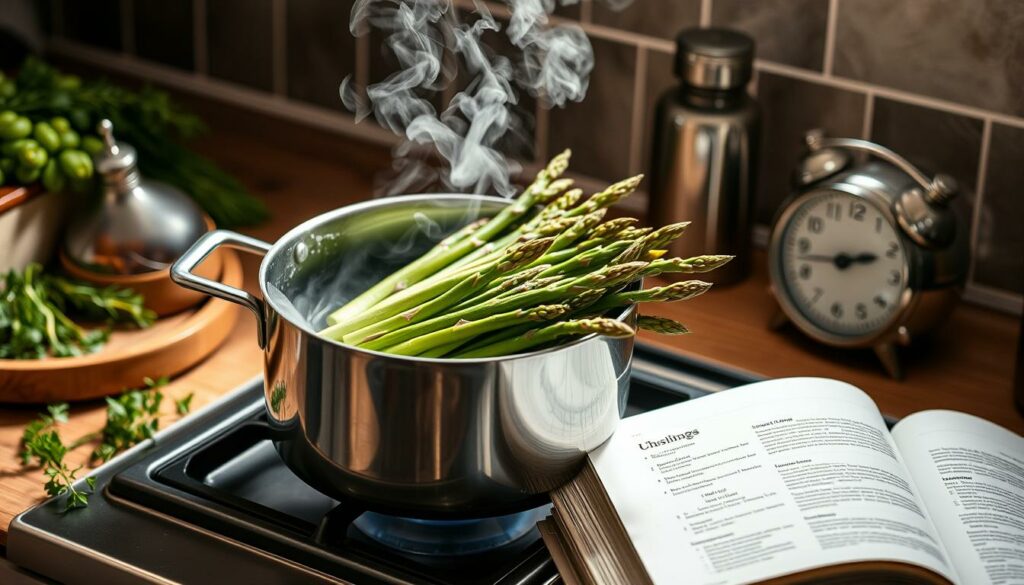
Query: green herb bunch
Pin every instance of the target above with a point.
(35, 308)
(146, 119)
(132, 417)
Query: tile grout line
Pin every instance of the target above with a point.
(128, 27)
(200, 58)
(887, 93)
(705, 13)
(979, 196)
(637, 121)
(830, 38)
(279, 46)
(869, 115)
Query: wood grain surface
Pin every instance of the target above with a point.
(302, 172)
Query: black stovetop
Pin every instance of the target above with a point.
(211, 501)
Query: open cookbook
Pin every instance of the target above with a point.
(792, 481)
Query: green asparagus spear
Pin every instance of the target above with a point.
(468, 329)
(414, 306)
(661, 325)
(536, 337)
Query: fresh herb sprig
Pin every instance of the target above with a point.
(35, 321)
(146, 119)
(131, 418)
(41, 441)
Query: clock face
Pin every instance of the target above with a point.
(843, 264)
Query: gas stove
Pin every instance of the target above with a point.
(209, 501)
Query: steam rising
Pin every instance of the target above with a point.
(431, 44)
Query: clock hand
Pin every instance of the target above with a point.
(817, 258)
(865, 258)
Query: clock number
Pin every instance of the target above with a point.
(878, 225)
(837, 310)
(804, 245)
(818, 291)
(893, 251)
(815, 224)
(861, 311)
(857, 210)
(805, 271)
(880, 301)
(834, 211)
(894, 277)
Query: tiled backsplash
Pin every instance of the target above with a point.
(940, 81)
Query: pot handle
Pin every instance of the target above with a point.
(181, 273)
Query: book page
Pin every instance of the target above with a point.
(970, 474)
(765, 480)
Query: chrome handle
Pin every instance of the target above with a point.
(939, 189)
(181, 273)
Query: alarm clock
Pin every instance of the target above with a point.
(868, 253)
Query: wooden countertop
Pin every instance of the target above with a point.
(300, 173)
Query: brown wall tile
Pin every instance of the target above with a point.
(790, 108)
(999, 256)
(934, 141)
(164, 32)
(96, 23)
(598, 128)
(970, 52)
(786, 31)
(240, 40)
(657, 18)
(321, 50)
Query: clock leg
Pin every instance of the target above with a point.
(886, 353)
(778, 319)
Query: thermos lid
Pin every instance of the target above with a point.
(714, 58)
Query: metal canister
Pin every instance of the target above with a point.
(705, 150)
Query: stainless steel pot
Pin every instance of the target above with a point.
(412, 436)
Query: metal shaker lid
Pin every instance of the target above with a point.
(714, 58)
(117, 159)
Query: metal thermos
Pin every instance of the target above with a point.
(705, 149)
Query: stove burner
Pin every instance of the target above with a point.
(449, 537)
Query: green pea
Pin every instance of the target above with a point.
(76, 164)
(7, 165)
(53, 178)
(13, 147)
(8, 88)
(21, 127)
(33, 156)
(7, 117)
(60, 124)
(92, 144)
(47, 136)
(69, 139)
(27, 175)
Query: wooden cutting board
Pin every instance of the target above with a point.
(170, 346)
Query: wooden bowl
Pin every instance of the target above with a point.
(161, 294)
(168, 347)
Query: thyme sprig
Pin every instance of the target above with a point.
(131, 418)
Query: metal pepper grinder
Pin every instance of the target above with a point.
(705, 149)
(139, 226)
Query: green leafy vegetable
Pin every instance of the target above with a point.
(147, 119)
(184, 405)
(132, 417)
(34, 319)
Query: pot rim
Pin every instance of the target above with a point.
(297, 232)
